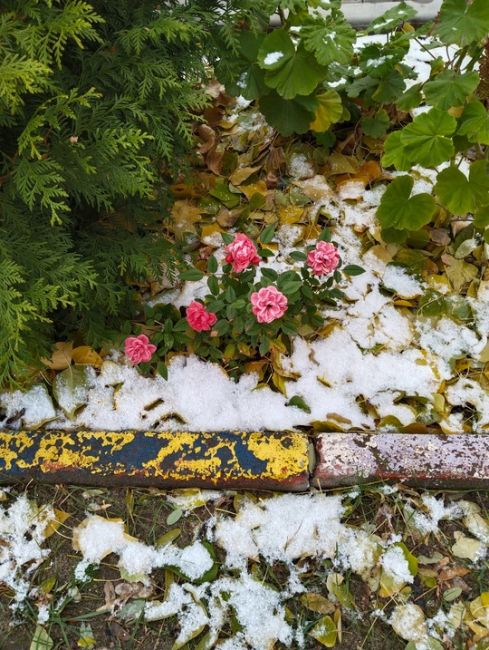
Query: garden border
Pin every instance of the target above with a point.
(288, 461)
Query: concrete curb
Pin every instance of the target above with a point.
(259, 460)
(460, 461)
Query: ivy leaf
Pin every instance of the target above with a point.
(286, 116)
(299, 75)
(398, 209)
(376, 127)
(460, 194)
(391, 19)
(331, 40)
(328, 112)
(425, 139)
(474, 123)
(395, 153)
(462, 23)
(450, 88)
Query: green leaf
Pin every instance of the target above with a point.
(460, 194)
(353, 269)
(276, 49)
(474, 123)
(299, 75)
(324, 631)
(227, 238)
(425, 139)
(222, 192)
(411, 98)
(213, 285)
(69, 389)
(330, 40)
(450, 88)
(395, 153)
(376, 127)
(325, 235)
(398, 209)
(481, 217)
(390, 87)
(328, 111)
(300, 403)
(212, 264)
(392, 19)
(268, 234)
(462, 23)
(41, 640)
(288, 117)
(174, 516)
(191, 275)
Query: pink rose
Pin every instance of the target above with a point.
(199, 318)
(139, 349)
(241, 253)
(268, 304)
(323, 259)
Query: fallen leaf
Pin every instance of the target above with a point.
(61, 357)
(86, 355)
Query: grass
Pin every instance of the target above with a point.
(145, 513)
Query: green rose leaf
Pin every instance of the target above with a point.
(288, 117)
(328, 111)
(299, 75)
(425, 139)
(462, 23)
(395, 153)
(450, 88)
(474, 123)
(399, 210)
(460, 194)
(330, 40)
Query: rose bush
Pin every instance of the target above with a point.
(251, 311)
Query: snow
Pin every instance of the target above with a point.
(22, 533)
(96, 538)
(398, 279)
(428, 523)
(395, 565)
(299, 167)
(273, 57)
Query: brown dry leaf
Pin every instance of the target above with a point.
(207, 137)
(458, 271)
(184, 217)
(213, 160)
(61, 357)
(241, 174)
(86, 355)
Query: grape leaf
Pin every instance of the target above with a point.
(395, 153)
(299, 75)
(399, 210)
(425, 139)
(450, 88)
(328, 111)
(288, 116)
(460, 194)
(474, 123)
(329, 40)
(462, 23)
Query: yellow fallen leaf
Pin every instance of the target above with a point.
(184, 217)
(60, 517)
(241, 174)
(260, 187)
(61, 357)
(290, 214)
(86, 355)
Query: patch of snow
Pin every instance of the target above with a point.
(398, 279)
(273, 57)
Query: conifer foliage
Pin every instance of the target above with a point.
(96, 99)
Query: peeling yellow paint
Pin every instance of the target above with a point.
(178, 456)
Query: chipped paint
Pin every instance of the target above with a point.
(166, 459)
